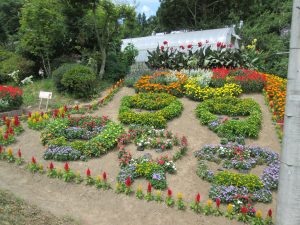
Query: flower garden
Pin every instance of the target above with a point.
(189, 140)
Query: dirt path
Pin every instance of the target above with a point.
(93, 207)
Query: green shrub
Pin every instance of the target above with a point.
(59, 72)
(167, 106)
(248, 127)
(10, 62)
(79, 80)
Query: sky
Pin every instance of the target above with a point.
(149, 7)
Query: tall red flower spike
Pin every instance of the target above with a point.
(51, 167)
(218, 202)
(66, 167)
(128, 182)
(33, 160)
(198, 198)
(19, 153)
(270, 213)
(88, 172)
(169, 192)
(104, 176)
(149, 189)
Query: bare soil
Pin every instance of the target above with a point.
(90, 206)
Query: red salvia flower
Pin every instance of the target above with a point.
(198, 198)
(182, 47)
(128, 182)
(200, 44)
(165, 42)
(88, 172)
(51, 167)
(7, 122)
(104, 176)
(33, 160)
(149, 189)
(270, 213)
(218, 202)
(5, 136)
(169, 193)
(66, 167)
(244, 210)
(65, 108)
(4, 117)
(0, 149)
(19, 153)
(190, 46)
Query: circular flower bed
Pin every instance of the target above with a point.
(166, 108)
(78, 138)
(230, 106)
(167, 82)
(230, 186)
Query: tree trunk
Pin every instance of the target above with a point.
(103, 62)
(288, 206)
(49, 67)
(44, 65)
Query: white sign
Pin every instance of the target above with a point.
(46, 95)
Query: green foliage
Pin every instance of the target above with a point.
(59, 72)
(203, 57)
(250, 181)
(9, 18)
(42, 29)
(248, 127)
(10, 62)
(79, 80)
(167, 110)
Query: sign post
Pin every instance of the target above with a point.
(45, 95)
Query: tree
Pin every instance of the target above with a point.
(106, 21)
(9, 18)
(42, 29)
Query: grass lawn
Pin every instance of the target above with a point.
(14, 211)
(31, 93)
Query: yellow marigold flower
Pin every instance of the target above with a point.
(140, 188)
(9, 152)
(179, 196)
(209, 203)
(229, 208)
(258, 214)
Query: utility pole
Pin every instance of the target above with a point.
(288, 208)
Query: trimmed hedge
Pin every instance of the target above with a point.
(167, 106)
(248, 127)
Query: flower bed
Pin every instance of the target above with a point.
(10, 98)
(249, 80)
(11, 128)
(248, 127)
(195, 92)
(275, 93)
(227, 186)
(167, 107)
(166, 82)
(78, 138)
(153, 170)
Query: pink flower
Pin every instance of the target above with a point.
(181, 47)
(162, 47)
(165, 42)
(200, 44)
(190, 46)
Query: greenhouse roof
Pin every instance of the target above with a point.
(178, 38)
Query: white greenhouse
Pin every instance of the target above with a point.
(179, 38)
